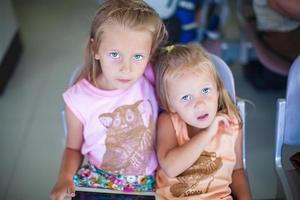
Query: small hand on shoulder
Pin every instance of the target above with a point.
(220, 119)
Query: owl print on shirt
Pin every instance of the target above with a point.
(202, 171)
(130, 138)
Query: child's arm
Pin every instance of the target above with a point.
(72, 159)
(175, 159)
(239, 186)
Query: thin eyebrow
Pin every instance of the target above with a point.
(114, 51)
(140, 54)
(207, 84)
(143, 53)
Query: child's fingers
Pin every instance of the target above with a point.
(225, 120)
(57, 196)
(226, 123)
(71, 191)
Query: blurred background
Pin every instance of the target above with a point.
(42, 41)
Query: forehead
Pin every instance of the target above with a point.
(189, 81)
(118, 32)
(191, 75)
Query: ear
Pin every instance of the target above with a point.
(93, 47)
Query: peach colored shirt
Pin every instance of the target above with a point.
(210, 176)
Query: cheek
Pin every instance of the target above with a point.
(214, 103)
(110, 65)
(109, 62)
(184, 110)
(175, 107)
(108, 70)
(140, 68)
(187, 117)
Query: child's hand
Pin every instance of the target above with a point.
(65, 188)
(220, 118)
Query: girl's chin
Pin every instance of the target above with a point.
(202, 125)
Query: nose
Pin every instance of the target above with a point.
(126, 67)
(199, 103)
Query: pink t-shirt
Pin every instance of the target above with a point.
(118, 126)
(210, 176)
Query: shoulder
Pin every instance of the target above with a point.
(77, 97)
(164, 121)
(230, 124)
(78, 93)
(164, 117)
(149, 74)
(146, 84)
(165, 128)
(77, 88)
(236, 128)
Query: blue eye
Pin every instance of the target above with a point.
(205, 90)
(114, 54)
(186, 98)
(138, 57)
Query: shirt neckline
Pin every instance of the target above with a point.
(102, 92)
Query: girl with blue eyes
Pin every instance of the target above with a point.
(111, 109)
(199, 133)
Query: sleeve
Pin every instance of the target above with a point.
(149, 74)
(73, 99)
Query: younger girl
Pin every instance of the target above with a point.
(111, 109)
(199, 142)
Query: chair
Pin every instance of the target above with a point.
(228, 80)
(73, 77)
(267, 57)
(288, 131)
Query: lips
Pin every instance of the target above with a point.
(202, 117)
(124, 80)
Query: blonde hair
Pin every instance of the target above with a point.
(135, 14)
(174, 59)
